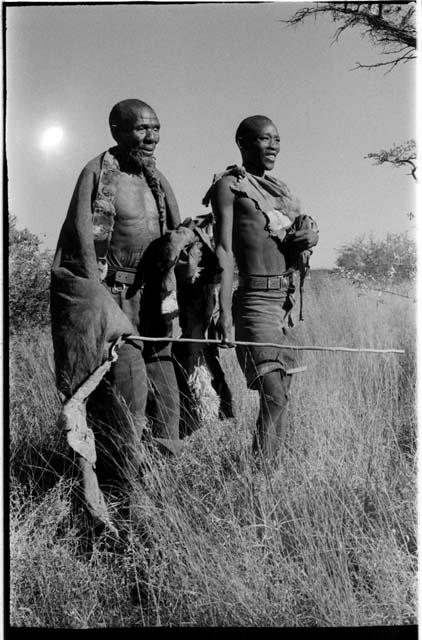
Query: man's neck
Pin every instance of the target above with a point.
(255, 171)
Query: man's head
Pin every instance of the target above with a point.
(259, 143)
(135, 127)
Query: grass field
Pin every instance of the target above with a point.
(327, 539)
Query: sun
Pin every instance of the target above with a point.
(51, 138)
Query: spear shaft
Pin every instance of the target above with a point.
(242, 343)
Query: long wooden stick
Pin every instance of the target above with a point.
(264, 344)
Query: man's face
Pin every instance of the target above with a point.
(140, 131)
(261, 147)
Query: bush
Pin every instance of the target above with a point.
(29, 280)
(391, 260)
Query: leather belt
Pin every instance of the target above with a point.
(121, 275)
(264, 283)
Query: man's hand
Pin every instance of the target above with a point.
(302, 240)
(225, 329)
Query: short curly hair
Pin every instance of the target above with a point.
(249, 124)
(123, 111)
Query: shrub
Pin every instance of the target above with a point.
(29, 280)
(391, 260)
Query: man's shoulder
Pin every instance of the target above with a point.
(225, 181)
(220, 186)
(229, 177)
(225, 184)
(94, 165)
(161, 175)
(165, 184)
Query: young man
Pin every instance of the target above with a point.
(252, 213)
(120, 206)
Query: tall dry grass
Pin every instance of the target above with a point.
(326, 539)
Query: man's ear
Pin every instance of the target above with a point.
(114, 132)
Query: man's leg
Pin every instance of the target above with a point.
(117, 407)
(128, 378)
(271, 426)
(163, 399)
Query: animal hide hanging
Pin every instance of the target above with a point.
(201, 378)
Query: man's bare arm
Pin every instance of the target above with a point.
(222, 204)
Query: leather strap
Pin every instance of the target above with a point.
(264, 283)
(121, 275)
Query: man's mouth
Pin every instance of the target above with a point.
(270, 156)
(145, 151)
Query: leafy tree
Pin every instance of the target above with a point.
(29, 280)
(399, 155)
(388, 261)
(390, 26)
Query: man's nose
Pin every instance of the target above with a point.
(150, 135)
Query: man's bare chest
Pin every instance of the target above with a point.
(134, 199)
(254, 249)
(248, 219)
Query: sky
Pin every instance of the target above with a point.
(203, 68)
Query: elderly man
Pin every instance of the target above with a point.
(121, 205)
(253, 217)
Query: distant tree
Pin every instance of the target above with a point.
(390, 26)
(399, 155)
(29, 280)
(388, 261)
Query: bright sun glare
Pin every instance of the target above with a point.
(51, 137)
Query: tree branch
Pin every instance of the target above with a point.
(399, 155)
(397, 28)
(391, 63)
